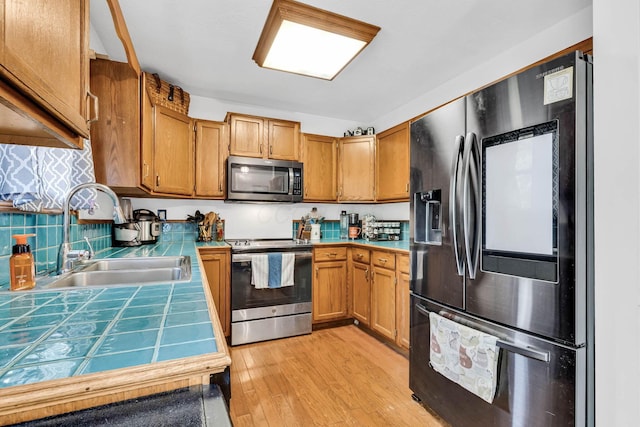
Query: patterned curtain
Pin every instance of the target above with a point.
(38, 178)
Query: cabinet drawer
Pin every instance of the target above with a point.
(384, 259)
(333, 253)
(360, 255)
(402, 262)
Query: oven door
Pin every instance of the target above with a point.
(244, 296)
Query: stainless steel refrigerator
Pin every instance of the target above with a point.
(502, 242)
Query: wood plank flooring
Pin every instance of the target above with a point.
(333, 377)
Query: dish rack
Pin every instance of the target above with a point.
(384, 230)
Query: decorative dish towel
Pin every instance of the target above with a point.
(464, 355)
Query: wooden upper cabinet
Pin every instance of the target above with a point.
(247, 136)
(44, 72)
(392, 164)
(115, 137)
(284, 140)
(320, 167)
(212, 139)
(173, 152)
(253, 136)
(356, 170)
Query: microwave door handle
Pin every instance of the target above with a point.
(290, 181)
(471, 232)
(453, 203)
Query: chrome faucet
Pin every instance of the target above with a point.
(66, 256)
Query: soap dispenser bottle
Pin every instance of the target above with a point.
(22, 265)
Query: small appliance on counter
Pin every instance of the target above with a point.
(125, 235)
(128, 233)
(150, 226)
(355, 230)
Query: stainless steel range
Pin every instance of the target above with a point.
(260, 314)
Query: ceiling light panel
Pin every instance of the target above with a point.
(305, 40)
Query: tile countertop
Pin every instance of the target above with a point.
(397, 245)
(56, 336)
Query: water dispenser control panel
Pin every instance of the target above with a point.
(428, 217)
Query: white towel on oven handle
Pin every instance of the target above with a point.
(260, 271)
(288, 263)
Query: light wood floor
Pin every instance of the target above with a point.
(333, 377)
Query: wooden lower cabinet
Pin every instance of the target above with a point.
(329, 284)
(361, 292)
(370, 286)
(403, 301)
(217, 269)
(383, 302)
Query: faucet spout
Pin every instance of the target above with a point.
(65, 260)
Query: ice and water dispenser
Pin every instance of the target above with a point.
(427, 213)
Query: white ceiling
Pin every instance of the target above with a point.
(205, 46)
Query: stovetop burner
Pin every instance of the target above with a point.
(259, 244)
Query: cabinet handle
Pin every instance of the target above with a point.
(146, 169)
(157, 180)
(220, 187)
(360, 256)
(316, 271)
(407, 190)
(270, 150)
(95, 107)
(382, 260)
(366, 274)
(260, 148)
(332, 254)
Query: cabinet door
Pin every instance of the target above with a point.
(361, 292)
(392, 164)
(284, 140)
(383, 302)
(329, 291)
(247, 136)
(173, 152)
(211, 153)
(216, 268)
(44, 48)
(403, 305)
(356, 170)
(115, 138)
(320, 164)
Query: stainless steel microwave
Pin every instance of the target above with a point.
(263, 180)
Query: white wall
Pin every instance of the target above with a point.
(214, 109)
(616, 35)
(567, 33)
(266, 220)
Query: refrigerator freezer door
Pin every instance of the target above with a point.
(437, 144)
(540, 384)
(554, 306)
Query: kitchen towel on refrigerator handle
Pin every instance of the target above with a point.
(464, 355)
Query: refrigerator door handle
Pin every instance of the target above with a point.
(471, 233)
(530, 352)
(453, 202)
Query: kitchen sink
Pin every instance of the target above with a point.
(124, 271)
(110, 264)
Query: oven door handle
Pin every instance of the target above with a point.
(247, 257)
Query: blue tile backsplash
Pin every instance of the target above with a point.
(48, 237)
(48, 231)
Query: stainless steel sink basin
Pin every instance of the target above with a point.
(125, 271)
(108, 264)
